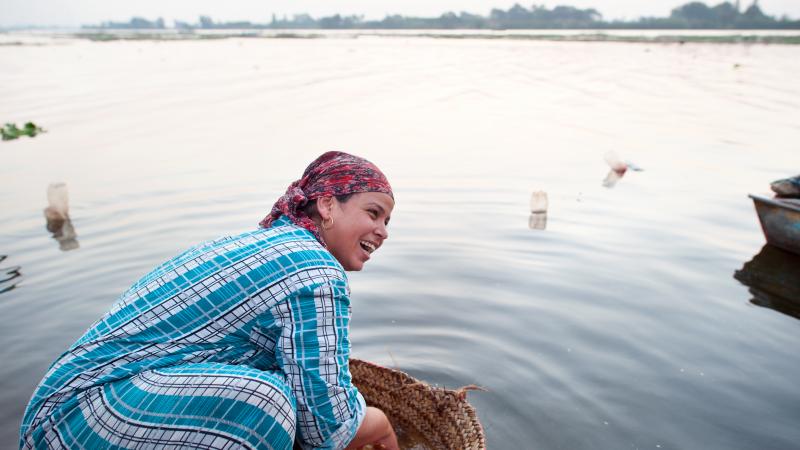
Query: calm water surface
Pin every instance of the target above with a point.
(618, 326)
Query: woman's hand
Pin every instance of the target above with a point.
(375, 430)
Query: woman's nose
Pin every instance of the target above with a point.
(382, 232)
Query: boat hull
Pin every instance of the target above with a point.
(780, 221)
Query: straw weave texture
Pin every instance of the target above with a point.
(442, 416)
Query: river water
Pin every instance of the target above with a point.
(612, 323)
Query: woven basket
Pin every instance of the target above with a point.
(442, 417)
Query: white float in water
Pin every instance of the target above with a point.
(539, 202)
(613, 160)
(58, 202)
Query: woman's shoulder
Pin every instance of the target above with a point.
(284, 230)
(283, 233)
(284, 246)
(284, 251)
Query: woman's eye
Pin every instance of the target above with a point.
(373, 213)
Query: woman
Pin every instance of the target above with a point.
(241, 342)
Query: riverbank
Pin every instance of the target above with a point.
(624, 36)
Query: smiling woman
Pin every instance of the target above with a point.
(241, 342)
(361, 228)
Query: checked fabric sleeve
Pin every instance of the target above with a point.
(313, 351)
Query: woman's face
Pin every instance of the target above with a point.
(359, 226)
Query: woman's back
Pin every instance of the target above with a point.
(221, 302)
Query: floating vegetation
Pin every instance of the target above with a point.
(105, 37)
(603, 37)
(181, 36)
(11, 131)
(297, 36)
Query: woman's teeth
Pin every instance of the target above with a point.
(368, 246)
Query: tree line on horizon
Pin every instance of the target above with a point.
(692, 15)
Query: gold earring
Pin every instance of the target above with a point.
(328, 227)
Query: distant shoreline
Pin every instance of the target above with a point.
(693, 15)
(623, 36)
(646, 36)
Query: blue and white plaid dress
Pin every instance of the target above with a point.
(241, 342)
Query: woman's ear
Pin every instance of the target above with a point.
(324, 207)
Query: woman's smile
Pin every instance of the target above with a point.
(358, 227)
(368, 246)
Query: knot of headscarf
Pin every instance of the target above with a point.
(330, 175)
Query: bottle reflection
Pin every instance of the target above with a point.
(539, 204)
(57, 215)
(9, 276)
(537, 221)
(612, 178)
(772, 278)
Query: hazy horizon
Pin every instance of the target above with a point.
(84, 12)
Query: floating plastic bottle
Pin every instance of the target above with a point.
(614, 162)
(539, 202)
(58, 200)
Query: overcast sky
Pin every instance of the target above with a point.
(80, 12)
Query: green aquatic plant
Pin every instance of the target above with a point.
(11, 131)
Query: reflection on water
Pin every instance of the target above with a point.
(9, 276)
(773, 276)
(409, 439)
(63, 231)
(612, 178)
(537, 221)
(57, 215)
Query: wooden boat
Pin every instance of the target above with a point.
(780, 221)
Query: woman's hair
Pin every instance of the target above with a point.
(311, 208)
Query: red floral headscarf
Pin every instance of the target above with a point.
(332, 174)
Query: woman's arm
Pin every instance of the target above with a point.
(375, 430)
(313, 350)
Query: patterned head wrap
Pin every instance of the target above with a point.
(332, 174)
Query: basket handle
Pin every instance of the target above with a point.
(462, 391)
